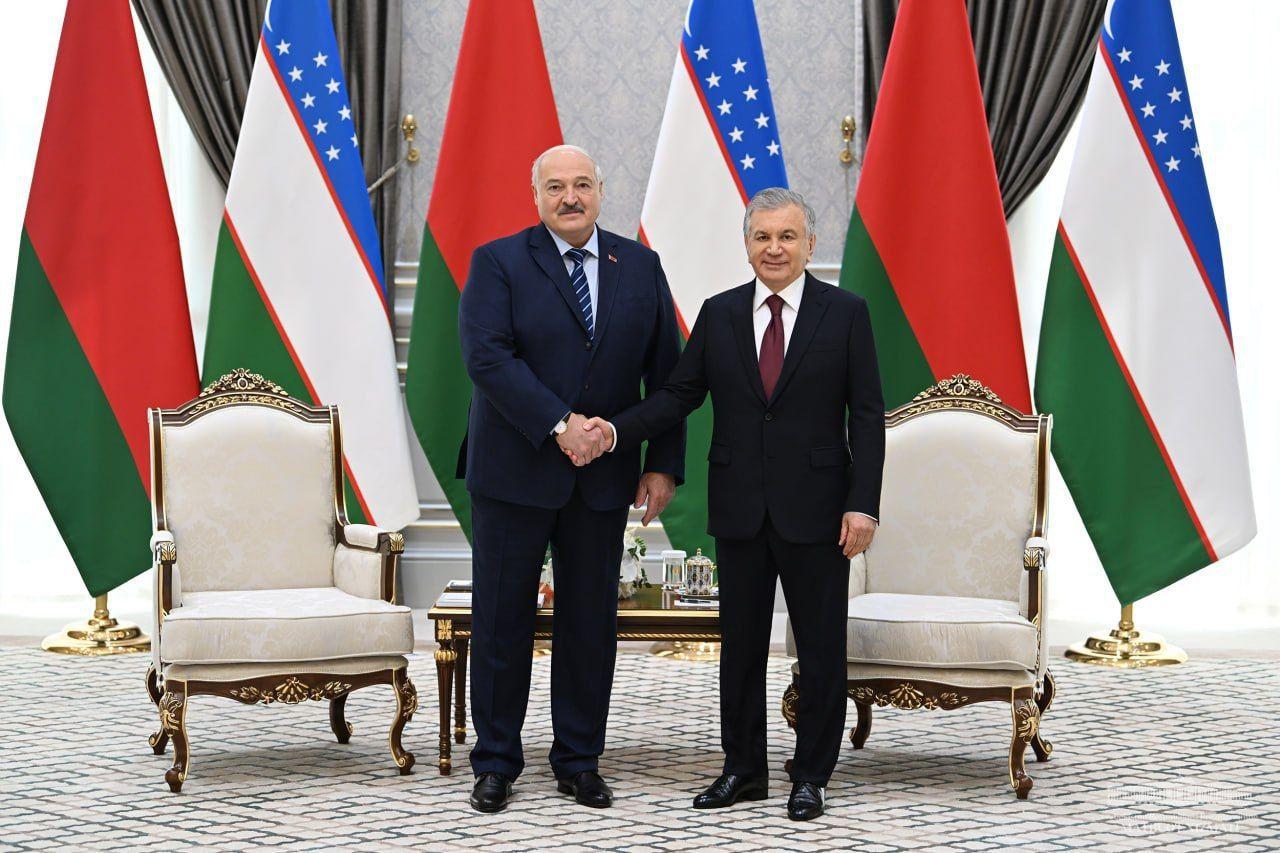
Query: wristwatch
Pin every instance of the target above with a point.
(561, 427)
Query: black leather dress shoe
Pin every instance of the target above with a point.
(588, 789)
(807, 801)
(730, 788)
(491, 793)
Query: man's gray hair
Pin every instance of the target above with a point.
(774, 198)
(537, 164)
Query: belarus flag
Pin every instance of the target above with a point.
(298, 290)
(718, 146)
(1136, 361)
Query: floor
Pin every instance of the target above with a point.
(1181, 758)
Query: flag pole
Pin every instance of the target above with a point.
(100, 635)
(1126, 647)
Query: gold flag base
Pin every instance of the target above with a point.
(681, 650)
(1126, 647)
(100, 635)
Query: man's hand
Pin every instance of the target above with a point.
(656, 491)
(602, 425)
(578, 444)
(856, 532)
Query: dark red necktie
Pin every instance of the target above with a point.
(772, 347)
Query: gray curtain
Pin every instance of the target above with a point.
(206, 48)
(1033, 60)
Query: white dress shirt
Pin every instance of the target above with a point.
(761, 315)
(590, 264)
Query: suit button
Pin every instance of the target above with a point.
(586, 387)
(588, 344)
(768, 416)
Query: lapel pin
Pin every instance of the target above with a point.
(612, 258)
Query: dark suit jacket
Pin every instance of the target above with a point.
(812, 452)
(527, 351)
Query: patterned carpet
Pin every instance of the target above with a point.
(1185, 758)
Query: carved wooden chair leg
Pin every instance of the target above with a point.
(1026, 721)
(460, 691)
(160, 739)
(1042, 747)
(173, 723)
(858, 735)
(337, 719)
(406, 704)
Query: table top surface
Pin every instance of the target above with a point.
(649, 605)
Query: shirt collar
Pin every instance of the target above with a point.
(790, 294)
(592, 246)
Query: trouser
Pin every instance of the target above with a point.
(815, 582)
(509, 542)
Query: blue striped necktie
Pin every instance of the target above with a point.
(578, 278)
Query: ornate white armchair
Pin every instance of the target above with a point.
(946, 608)
(263, 592)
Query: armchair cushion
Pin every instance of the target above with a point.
(320, 623)
(940, 631)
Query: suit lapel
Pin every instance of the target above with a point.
(744, 331)
(543, 249)
(812, 306)
(608, 275)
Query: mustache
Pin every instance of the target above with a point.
(570, 208)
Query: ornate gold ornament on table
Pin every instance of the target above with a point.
(699, 574)
(1126, 647)
(102, 634)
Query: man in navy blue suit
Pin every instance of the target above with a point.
(558, 322)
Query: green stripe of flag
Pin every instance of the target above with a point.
(904, 371)
(69, 437)
(437, 388)
(242, 334)
(1104, 448)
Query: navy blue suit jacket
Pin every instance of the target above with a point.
(527, 351)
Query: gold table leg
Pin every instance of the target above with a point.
(460, 691)
(446, 656)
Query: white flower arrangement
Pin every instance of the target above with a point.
(631, 574)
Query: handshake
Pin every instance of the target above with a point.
(585, 439)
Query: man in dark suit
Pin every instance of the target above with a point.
(555, 320)
(797, 451)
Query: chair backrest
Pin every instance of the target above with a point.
(248, 479)
(964, 487)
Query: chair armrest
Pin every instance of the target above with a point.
(1035, 562)
(365, 561)
(164, 558)
(858, 575)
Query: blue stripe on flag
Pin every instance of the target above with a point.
(722, 42)
(1142, 43)
(298, 37)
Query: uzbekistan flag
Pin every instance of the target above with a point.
(100, 327)
(1136, 360)
(298, 291)
(927, 245)
(481, 192)
(717, 147)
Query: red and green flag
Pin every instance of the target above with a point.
(100, 329)
(927, 244)
(502, 114)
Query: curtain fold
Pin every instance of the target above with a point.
(1033, 61)
(206, 50)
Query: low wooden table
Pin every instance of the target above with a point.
(650, 615)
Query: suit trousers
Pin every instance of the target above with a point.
(509, 542)
(815, 582)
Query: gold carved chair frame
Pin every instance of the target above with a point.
(170, 696)
(1027, 702)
